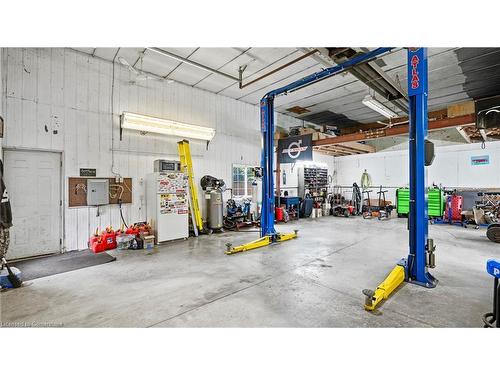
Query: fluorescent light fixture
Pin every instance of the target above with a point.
(149, 124)
(374, 104)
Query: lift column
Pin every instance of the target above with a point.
(267, 134)
(420, 247)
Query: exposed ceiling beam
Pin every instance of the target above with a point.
(333, 150)
(356, 146)
(434, 115)
(464, 134)
(397, 131)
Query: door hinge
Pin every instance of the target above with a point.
(60, 202)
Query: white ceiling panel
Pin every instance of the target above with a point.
(321, 91)
(279, 80)
(215, 57)
(342, 94)
(274, 79)
(188, 74)
(87, 50)
(258, 61)
(157, 64)
(131, 55)
(214, 83)
(183, 52)
(105, 53)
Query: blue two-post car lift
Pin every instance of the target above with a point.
(412, 269)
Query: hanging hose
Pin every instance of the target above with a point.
(121, 213)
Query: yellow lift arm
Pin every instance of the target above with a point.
(187, 167)
(383, 291)
(261, 242)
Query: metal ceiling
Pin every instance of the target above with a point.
(455, 75)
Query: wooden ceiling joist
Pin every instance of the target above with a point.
(394, 131)
(335, 150)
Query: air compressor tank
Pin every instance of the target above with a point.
(215, 210)
(255, 206)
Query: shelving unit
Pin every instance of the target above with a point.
(313, 179)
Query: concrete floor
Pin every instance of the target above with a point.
(313, 281)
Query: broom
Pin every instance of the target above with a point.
(14, 279)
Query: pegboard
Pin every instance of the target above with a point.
(77, 190)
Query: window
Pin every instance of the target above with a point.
(243, 176)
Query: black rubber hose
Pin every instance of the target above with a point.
(121, 214)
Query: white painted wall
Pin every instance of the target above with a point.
(451, 168)
(60, 100)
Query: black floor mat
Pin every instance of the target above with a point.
(51, 265)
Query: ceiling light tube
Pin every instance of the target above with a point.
(148, 124)
(377, 106)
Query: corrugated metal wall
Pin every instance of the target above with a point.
(60, 100)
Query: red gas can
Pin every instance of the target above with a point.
(96, 244)
(109, 239)
(132, 230)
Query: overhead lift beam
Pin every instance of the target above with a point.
(267, 230)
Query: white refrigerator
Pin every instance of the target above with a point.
(167, 205)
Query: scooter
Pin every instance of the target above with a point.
(367, 212)
(384, 211)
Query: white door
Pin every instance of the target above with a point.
(33, 182)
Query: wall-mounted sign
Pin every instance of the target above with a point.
(87, 172)
(480, 160)
(293, 149)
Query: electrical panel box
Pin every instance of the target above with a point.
(97, 192)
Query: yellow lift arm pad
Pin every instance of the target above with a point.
(384, 290)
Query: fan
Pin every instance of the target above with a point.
(139, 75)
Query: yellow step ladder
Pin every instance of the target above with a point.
(187, 168)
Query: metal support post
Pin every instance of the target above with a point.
(413, 269)
(267, 134)
(419, 246)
